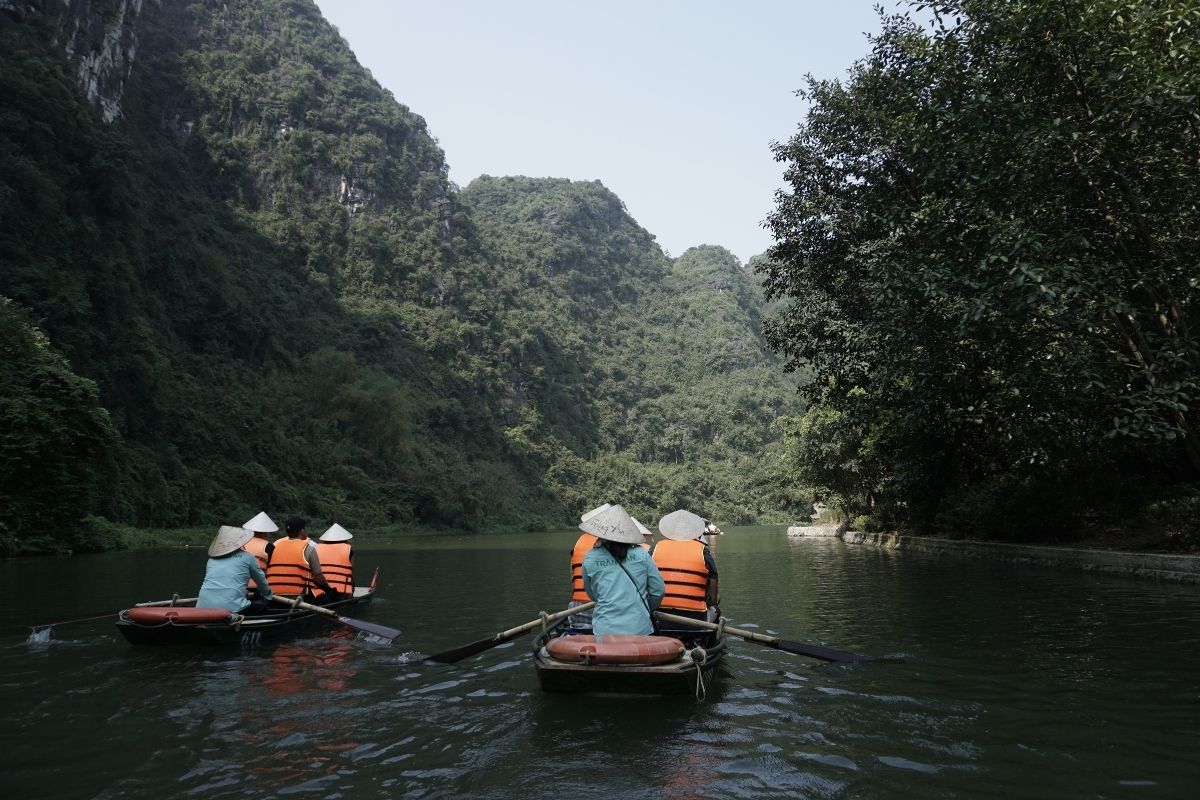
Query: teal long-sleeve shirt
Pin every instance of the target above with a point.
(619, 607)
(225, 580)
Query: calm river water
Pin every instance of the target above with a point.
(1014, 682)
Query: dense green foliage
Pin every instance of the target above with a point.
(991, 238)
(262, 291)
(242, 366)
(656, 386)
(54, 441)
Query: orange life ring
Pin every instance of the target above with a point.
(615, 649)
(176, 614)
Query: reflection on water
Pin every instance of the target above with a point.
(306, 708)
(1015, 682)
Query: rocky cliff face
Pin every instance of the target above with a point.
(100, 42)
(98, 38)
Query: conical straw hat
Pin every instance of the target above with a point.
(594, 512)
(645, 531)
(229, 539)
(261, 524)
(336, 533)
(681, 525)
(613, 524)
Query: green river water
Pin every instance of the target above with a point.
(1008, 682)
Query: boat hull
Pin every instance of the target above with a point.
(246, 631)
(691, 674)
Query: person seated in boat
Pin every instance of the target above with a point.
(620, 576)
(583, 620)
(647, 535)
(337, 558)
(228, 570)
(295, 568)
(260, 546)
(687, 566)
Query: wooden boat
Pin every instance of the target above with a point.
(685, 663)
(186, 624)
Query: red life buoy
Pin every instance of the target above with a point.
(616, 649)
(175, 614)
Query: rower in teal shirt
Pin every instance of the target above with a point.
(229, 570)
(620, 576)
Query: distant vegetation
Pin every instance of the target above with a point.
(257, 289)
(652, 384)
(991, 237)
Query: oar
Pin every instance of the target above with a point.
(102, 614)
(379, 631)
(799, 648)
(459, 653)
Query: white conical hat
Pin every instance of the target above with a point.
(645, 531)
(681, 525)
(613, 524)
(229, 539)
(336, 533)
(594, 512)
(261, 524)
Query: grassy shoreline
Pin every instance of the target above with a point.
(148, 538)
(98, 535)
(151, 538)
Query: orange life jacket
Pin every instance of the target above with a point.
(257, 547)
(582, 545)
(337, 565)
(684, 572)
(288, 572)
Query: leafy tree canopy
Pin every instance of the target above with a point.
(989, 243)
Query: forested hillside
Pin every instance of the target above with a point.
(663, 391)
(235, 276)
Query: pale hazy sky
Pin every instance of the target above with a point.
(671, 104)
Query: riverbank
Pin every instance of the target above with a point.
(1182, 568)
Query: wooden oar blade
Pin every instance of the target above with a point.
(459, 653)
(820, 653)
(798, 648)
(466, 651)
(382, 633)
